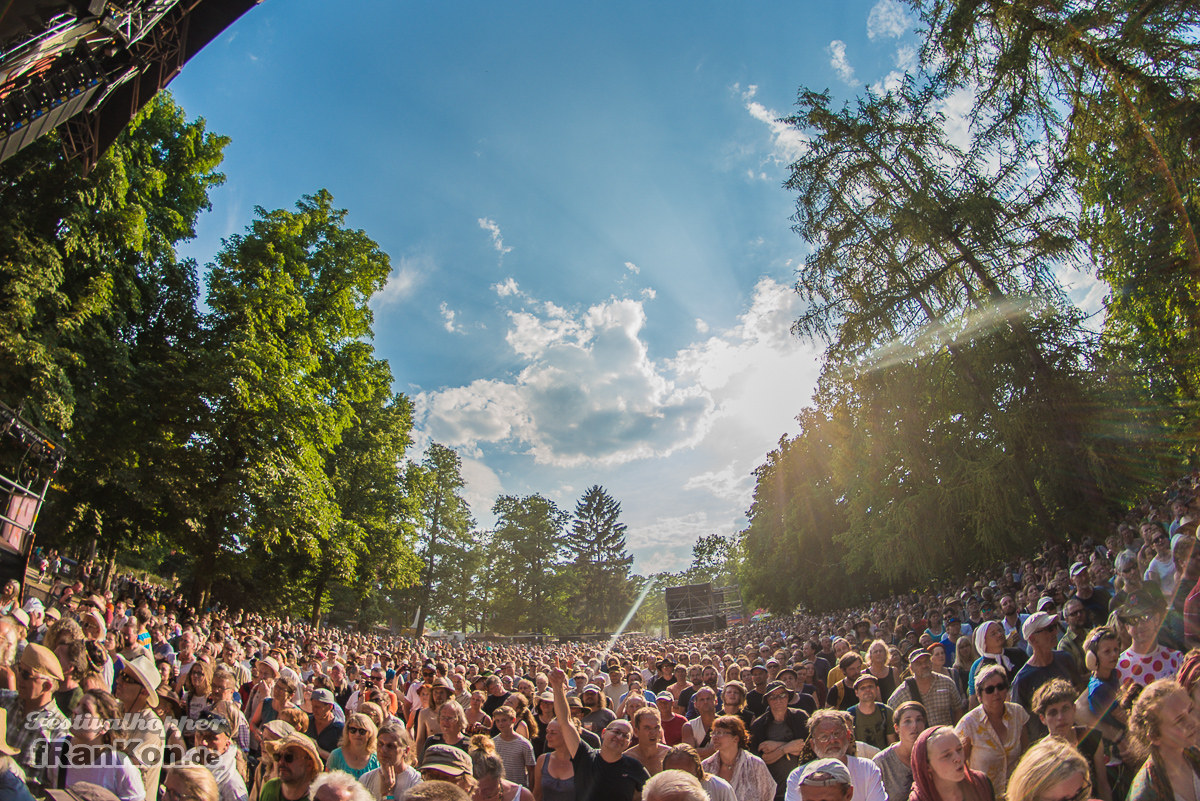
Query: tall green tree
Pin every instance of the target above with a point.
(530, 550)
(444, 526)
(289, 310)
(601, 564)
(99, 324)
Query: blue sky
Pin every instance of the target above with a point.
(592, 256)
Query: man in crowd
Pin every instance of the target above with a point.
(137, 689)
(298, 765)
(649, 751)
(937, 692)
(821, 780)
(698, 731)
(607, 774)
(323, 727)
(34, 720)
(1044, 664)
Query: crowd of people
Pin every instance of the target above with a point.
(1069, 675)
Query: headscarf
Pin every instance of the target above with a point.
(923, 788)
(981, 639)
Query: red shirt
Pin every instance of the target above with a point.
(673, 729)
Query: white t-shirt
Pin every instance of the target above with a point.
(113, 772)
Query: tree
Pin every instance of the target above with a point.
(529, 558)
(289, 314)
(444, 521)
(99, 325)
(600, 562)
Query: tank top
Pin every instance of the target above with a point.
(556, 789)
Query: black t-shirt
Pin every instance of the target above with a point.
(685, 697)
(597, 779)
(660, 684)
(756, 703)
(493, 703)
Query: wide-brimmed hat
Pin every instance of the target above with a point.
(82, 791)
(137, 663)
(296, 740)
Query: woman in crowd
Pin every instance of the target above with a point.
(1051, 770)
(395, 774)
(749, 775)
(964, 656)
(190, 783)
(993, 733)
(886, 676)
(554, 772)
(478, 721)
(990, 643)
(733, 700)
(355, 753)
(488, 769)
(940, 771)
(453, 723)
(196, 695)
(894, 762)
(1163, 726)
(1054, 704)
(91, 755)
(687, 759)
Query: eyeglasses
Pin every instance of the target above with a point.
(288, 757)
(993, 688)
(1136, 620)
(126, 678)
(356, 730)
(619, 733)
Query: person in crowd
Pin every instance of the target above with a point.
(554, 771)
(89, 754)
(489, 772)
(323, 728)
(1054, 703)
(993, 649)
(778, 735)
(452, 720)
(216, 751)
(606, 772)
(298, 763)
(940, 770)
(674, 785)
(687, 759)
(1145, 660)
(1164, 728)
(936, 692)
(964, 657)
(514, 749)
(1041, 632)
(1051, 770)
(395, 774)
(698, 731)
(355, 752)
(266, 767)
(34, 720)
(445, 763)
(822, 780)
(993, 734)
(1161, 569)
(672, 721)
(831, 736)
(189, 783)
(733, 762)
(894, 762)
(872, 719)
(479, 721)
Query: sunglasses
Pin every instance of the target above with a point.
(125, 677)
(993, 688)
(289, 757)
(356, 730)
(1083, 793)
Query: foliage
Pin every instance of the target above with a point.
(530, 581)
(600, 563)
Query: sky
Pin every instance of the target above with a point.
(592, 256)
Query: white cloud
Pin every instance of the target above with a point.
(906, 57)
(956, 109)
(701, 326)
(588, 393)
(490, 225)
(633, 268)
(649, 294)
(889, 19)
(787, 143)
(448, 317)
(506, 288)
(890, 83)
(401, 282)
(837, 60)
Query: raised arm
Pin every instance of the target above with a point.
(558, 684)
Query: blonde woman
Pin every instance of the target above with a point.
(1051, 770)
(355, 753)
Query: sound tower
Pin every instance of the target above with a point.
(692, 609)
